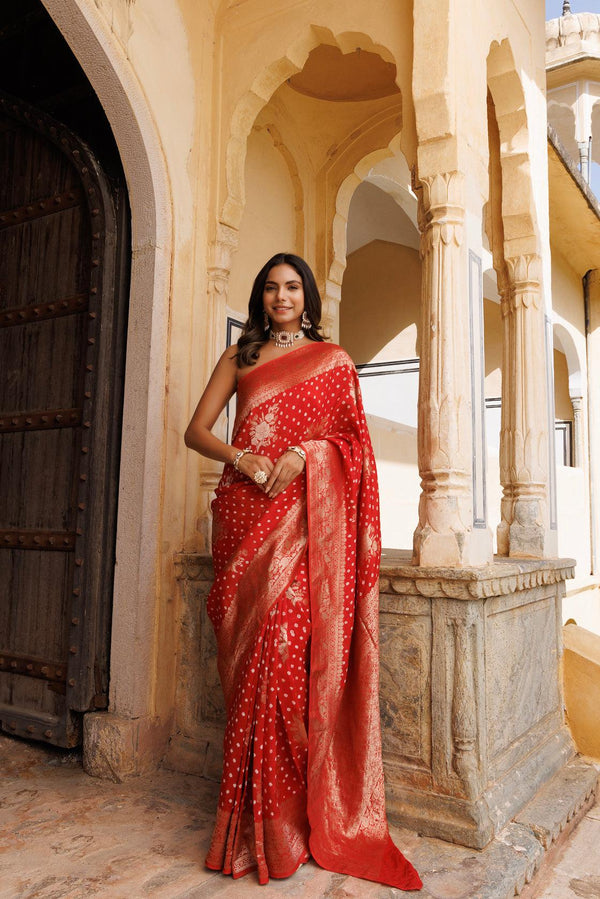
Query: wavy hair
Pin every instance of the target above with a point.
(254, 336)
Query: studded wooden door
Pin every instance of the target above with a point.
(62, 322)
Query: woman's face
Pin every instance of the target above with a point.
(283, 298)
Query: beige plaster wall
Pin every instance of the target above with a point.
(269, 223)
(380, 309)
(568, 313)
(492, 323)
(581, 673)
(395, 448)
(563, 409)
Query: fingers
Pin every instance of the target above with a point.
(280, 474)
(250, 464)
(287, 467)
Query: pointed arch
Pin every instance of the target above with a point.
(259, 94)
(518, 203)
(138, 522)
(337, 263)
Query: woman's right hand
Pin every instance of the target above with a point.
(250, 463)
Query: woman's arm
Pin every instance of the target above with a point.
(218, 392)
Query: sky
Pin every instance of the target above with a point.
(554, 7)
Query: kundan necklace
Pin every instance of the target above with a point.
(285, 338)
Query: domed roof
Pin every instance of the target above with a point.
(573, 34)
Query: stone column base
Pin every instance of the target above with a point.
(471, 698)
(115, 748)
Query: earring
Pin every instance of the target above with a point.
(306, 323)
(267, 323)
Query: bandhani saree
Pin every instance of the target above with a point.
(295, 611)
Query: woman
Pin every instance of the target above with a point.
(294, 604)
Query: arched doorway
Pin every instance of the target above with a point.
(64, 250)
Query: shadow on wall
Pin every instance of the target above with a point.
(380, 302)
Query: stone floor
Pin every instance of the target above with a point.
(64, 835)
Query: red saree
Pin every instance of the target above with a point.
(295, 610)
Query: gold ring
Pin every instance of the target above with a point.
(261, 477)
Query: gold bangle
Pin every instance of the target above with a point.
(299, 451)
(238, 456)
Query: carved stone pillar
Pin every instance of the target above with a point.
(445, 533)
(506, 503)
(577, 448)
(524, 432)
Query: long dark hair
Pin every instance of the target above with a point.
(254, 335)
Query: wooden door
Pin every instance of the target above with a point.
(63, 270)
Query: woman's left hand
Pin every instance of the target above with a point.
(288, 466)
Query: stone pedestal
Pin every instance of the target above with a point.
(471, 700)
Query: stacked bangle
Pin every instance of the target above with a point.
(238, 456)
(299, 451)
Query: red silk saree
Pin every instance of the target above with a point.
(295, 611)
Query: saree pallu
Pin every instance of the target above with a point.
(295, 611)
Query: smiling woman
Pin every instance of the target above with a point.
(294, 605)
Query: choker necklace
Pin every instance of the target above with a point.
(285, 338)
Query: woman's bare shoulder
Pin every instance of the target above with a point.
(228, 358)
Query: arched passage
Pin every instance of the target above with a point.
(568, 398)
(377, 261)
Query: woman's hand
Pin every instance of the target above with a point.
(250, 463)
(288, 466)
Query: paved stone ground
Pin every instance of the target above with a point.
(575, 872)
(64, 835)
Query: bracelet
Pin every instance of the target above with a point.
(238, 456)
(299, 451)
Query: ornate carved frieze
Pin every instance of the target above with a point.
(476, 584)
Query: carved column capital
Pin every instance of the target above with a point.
(523, 268)
(443, 189)
(524, 281)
